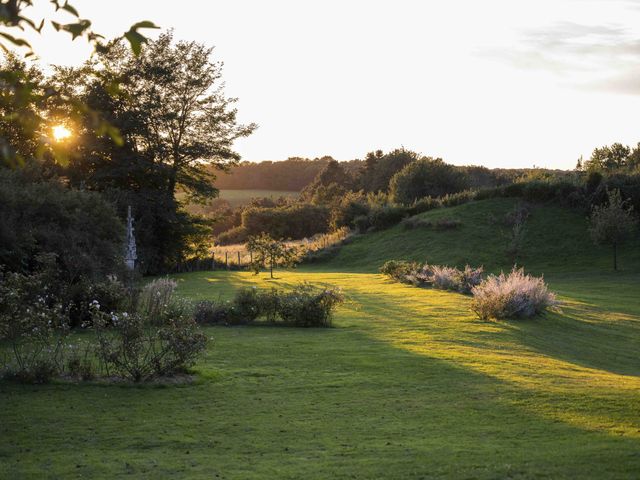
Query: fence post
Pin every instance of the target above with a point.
(239, 259)
(251, 256)
(213, 260)
(226, 259)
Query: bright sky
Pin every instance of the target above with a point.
(502, 83)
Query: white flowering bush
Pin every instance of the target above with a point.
(155, 298)
(139, 348)
(514, 295)
(34, 323)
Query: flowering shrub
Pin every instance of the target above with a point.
(514, 295)
(443, 277)
(138, 348)
(155, 298)
(437, 276)
(33, 322)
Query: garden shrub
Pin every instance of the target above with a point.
(309, 306)
(131, 347)
(304, 306)
(399, 269)
(437, 276)
(246, 306)
(33, 322)
(515, 295)
(209, 312)
(155, 298)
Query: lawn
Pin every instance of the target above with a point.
(408, 383)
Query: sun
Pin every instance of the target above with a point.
(60, 133)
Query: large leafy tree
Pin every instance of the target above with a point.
(426, 177)
(174, 127)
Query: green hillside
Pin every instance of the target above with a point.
(556, 240)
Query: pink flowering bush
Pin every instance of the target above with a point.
(514, 295)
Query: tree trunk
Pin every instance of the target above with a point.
(615, 256)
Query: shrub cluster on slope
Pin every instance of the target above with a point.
(512, 295)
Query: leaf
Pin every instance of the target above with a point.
(143, 24)
(136, 40)
(20, 42)
(70, 9)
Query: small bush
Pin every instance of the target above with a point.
(399, 269)
(33, 322)
(208, 312)
(131, 348)
(246, 306)
(304, 306)
(309, 306)
(515, 295)
(443, 277)
(437, 276)
(155, 298)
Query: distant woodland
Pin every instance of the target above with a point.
(292, 174)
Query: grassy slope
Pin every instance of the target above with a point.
(556, 241)
(410, 384)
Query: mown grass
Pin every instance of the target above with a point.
(409, 384)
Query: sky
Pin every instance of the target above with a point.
(500, 83)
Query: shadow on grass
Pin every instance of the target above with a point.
(336, 402)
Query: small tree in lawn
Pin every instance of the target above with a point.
(613, 223)
(268, 251)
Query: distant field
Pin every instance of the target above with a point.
(240, 197)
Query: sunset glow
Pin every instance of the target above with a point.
(61, 133)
